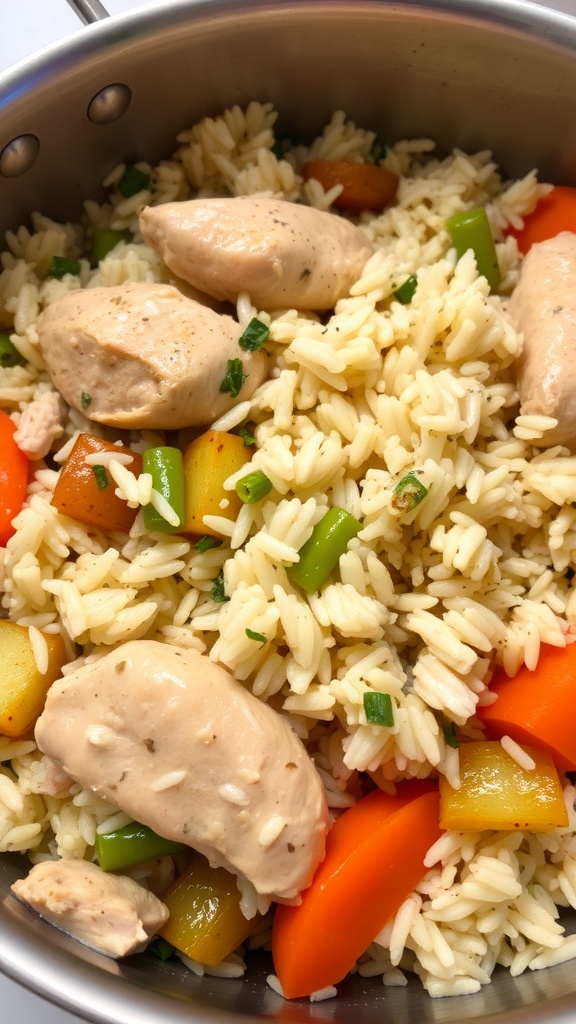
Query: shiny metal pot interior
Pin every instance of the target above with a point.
(470, 73)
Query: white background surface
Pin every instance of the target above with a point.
(26, 26)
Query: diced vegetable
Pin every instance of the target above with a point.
(538, 706)
(14, 468)
(374, 857)
(61, 266)
(471, 230)
(253, 487)
(166, 467)
(553, 213)
(9, 354)
(319, 555)
(104, 240)
(206, 922)
(133, 181)
(130, 845)
(254, 335)
(23, 687)
(498, 793)
(378, 708)
(408, 493)
(79, 495)
(405, 293)
(365, 186)
(208, 461)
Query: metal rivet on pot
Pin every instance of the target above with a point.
(18, 155)
(109, 104)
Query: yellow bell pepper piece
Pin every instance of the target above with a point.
(23, 687)
(208, 461)
(498, 793)
(206, 922)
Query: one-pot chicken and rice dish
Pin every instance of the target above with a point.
(288, 520)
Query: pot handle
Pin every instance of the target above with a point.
(89, 11)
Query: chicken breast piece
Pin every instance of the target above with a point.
(176, 742)
(40, 424)
(110, 913)
(282, 254)
(143, 355)
(543, 310)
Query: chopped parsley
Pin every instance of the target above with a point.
(234, 378)
(378, 708)
(451, 736)
(161, 948)
(218, 594)
(254, 335)
(205, 543)
(85, 400)
(405, 293)
(101, 477)
(377, 153)
(246, 436)
(61, 266)
(253, 635)
(9, 354)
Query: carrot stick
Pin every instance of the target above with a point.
(374, 857)
(364, 186)
(538, 706)
(554, 213)
(13, 477)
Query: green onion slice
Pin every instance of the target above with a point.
(247, 437)
(408, 493)
(104, 240)
(254, 335)
(318, 557)
(233, 378)
(253, 487)
(132, 844)
(471, 230)
(61, 266)
(405, 293)
(378, 708)
(133, 181)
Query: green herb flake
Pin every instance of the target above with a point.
(259, 637)
(61, 266)
(254, 335)
(405, 293)
(133, 181)
(377, 153)
(85, 400)
(101, 477)
(247, 437)
(451, 735)
(205, 543)
(408, 493)
(161, 948)
(9, 354)
(218, 594)
(378, 708)
(234, 378)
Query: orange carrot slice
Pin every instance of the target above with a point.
(374, 857)
(364, 186)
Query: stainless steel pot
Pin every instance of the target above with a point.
(471, 73)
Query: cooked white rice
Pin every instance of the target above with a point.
(423, 602)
